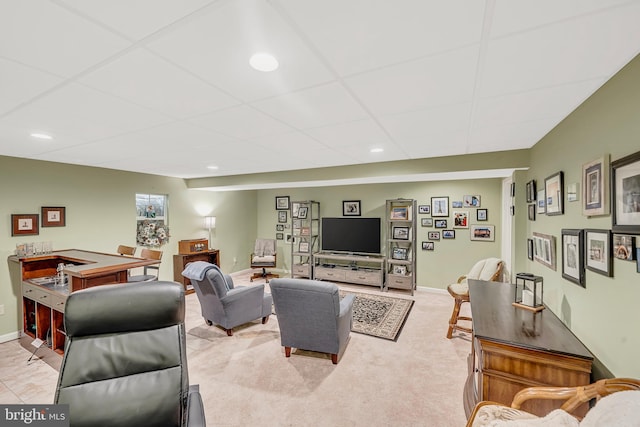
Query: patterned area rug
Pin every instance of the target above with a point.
(379, 316)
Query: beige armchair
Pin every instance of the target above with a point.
(621, 409)
(486, 269)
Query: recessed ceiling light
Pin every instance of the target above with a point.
(263, 62)
(41, 136)
(212, 167)
(377, 150)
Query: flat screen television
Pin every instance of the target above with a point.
(351, 235)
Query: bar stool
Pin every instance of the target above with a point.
(126, 250)
(147, 277)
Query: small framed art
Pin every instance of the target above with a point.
(399, 213)
(401, 233)
(448, 234)
(531, 191)
(461, 219)
(351, 208)
(573, 256)
(471, 201)
(279, 227)
(279, 236)
(595, 187)
(531, 211)
(24, 225)
(302, 212)
(544, 249)
(440, 206)
(303, 247)
(598, 251)
(441, 223)
(554, 194)
(428, 246)
(530, 249)
(426, 222)
(424, 209)
(482, 214)
(282, 202)
(53, 216)
(624, 247)
(434, 235)
(400, 270)
(484, 233)
(399, 253)
(625, 185)
(282, 216)
(541, 203)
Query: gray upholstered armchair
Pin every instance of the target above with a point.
(226, 305)
(125, 358)
(311, 316)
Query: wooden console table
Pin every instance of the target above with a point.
(514, 348)
(180, 261)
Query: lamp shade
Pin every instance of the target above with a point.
(209, 222)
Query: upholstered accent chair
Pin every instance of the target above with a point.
(264, 256)
(311, 316)
(487, 269)
(125, 358)
(227, 306)
(617, 403)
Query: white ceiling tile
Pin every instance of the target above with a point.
(235, 122)
(509, 137)
(288, 143)
(436, 144)
(318, 106)
(437, 80)
(142, 78)
(361, 133)
(19, 83)
(221, 43)
(423, 123)
(43, 35)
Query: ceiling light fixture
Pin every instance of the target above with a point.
(263, 62)
(212, 167)
(377, 150)
(41, 136)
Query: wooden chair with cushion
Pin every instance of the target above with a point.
(146, 276)
(487, 269)
(126, 250)
(620, 409)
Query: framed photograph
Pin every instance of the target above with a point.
(302, 212)
(625, 184)
(424, 209)
(24, 225)
(401, 233)
(572, 192)
(426, 222)
(456, 204)
(598, 251)
(471, 201)
(461, 219)
(531, 191)
(295, 207)
(399, 253)
(573, 256)
(434, 235)
(305, 231)
(303, 247)
(296, 223)
(448, 234)
(554, 194)
(440, 206)
(279, 236)
(351, 208)
(53, 216)
(279, 227)
(441, 223)
(428, 246)
(544, 249)
(482, 214)
(399, 213)
(400, 270)
(513, 189)
(282, 216)
(282, 202)
(531, 212)
(530, 249)
(595, 187)
(486, 233)
(624, 247)
(541, 203)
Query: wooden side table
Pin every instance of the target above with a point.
(181, 260)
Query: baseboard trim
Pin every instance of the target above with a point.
(9, 337)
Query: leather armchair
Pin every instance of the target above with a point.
(311, 316)
(225, 305)
(125, 358)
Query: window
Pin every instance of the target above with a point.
(152, 220)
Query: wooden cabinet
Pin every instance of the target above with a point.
(359, 270)
(180, 261)
(514, 348)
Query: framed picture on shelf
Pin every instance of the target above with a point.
(461, 219)
(541, 203)
(434, 235)
(24, 225)
(351, 208)
(440, 206)
(544, 249)
(295, 207)
(598, 251)
(401, 233)
(428, 246)
(282, 216)
(448, 234)
(441, 223)
(399, 213)
(303, 247)
(426, 222)
(53, 216)
(400, 270)
(624, 247)
(471, 201)
(625, 176)
(573, 256)
(595, 187)
(424, 209)
(399, 253)
(531, 191)
(302, 212)
(297, 223)
(482, 214)
(282, 202)
(305, 231)
(483, 232)
(554, 194)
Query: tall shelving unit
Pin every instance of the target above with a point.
(401, 244)
(305, 227)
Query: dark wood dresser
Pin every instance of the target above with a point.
(514, 348)
(181, 260)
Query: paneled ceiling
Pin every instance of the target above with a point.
(165, 87)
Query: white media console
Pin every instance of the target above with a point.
(356, 269)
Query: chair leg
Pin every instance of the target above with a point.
(265, 319)
(454, 317)
(287, 352)
(334, 359)
(229, 332)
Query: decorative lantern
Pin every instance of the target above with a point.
(529, 290)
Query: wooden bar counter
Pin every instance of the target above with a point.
(514, 348)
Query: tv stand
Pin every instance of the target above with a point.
(346, 268)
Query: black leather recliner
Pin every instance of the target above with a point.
(125, 358)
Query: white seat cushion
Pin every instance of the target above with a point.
(461, 288)
(502, 416)
(619, 409)
(267, 259)
(484, 269)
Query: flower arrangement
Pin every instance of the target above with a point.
(152, 233)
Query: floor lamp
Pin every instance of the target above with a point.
(210, 224)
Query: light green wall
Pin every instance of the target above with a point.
(603, 315)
